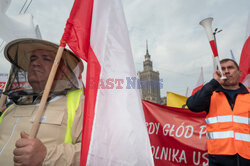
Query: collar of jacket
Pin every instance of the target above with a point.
(242, 89)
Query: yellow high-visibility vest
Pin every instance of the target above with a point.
(73, 100)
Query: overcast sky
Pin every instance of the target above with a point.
(177, 43)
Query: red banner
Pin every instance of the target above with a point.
(177, 136)
(3, 78)
(22, 82)
(15, 85)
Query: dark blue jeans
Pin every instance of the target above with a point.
(227, 160)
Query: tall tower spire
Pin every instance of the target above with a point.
(146, 46)
(149, 78)
(147, 64)
(147, 56)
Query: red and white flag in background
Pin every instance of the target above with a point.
(199, 83)
(232, 55)
(245, 63)
(114, 130)
(245, 58)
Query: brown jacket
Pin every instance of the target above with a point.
(51, 132)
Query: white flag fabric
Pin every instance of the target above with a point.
(199, 84)
(119, 134)
(114, 129)
(232, 55)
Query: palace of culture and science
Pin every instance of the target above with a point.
(151, 84)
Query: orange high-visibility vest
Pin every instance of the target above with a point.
(228, 131)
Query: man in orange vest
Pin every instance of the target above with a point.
(227, 103)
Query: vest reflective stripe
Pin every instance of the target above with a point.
(240, 119)
(73, 100)
(217, 119)
(242, 137)
(228, 134)
(228, 130)
(220, 135)
(228, 118)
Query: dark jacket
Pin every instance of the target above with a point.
(200, 101)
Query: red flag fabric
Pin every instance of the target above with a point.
(177, 135)
(78, 28)
(77, 36)
(114, 131)
(21, 82)
(196, 89)
(245, 63)
(3, 78)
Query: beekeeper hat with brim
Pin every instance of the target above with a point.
(18, 53)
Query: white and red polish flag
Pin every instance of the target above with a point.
(114, 130)
(245, 63)
(199, 83)
(245, 58)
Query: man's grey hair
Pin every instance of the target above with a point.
(227, 59)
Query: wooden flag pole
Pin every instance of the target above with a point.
(43, 102)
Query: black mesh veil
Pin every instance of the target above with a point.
(31, 61)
